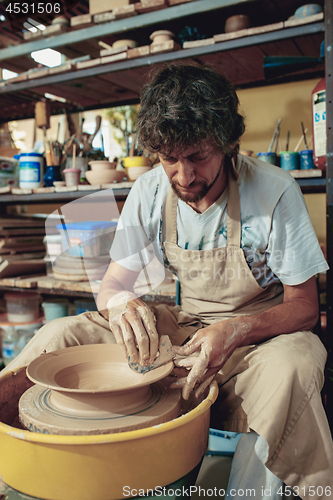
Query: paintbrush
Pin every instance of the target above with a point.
(288, 138)
(300, 140)
(274, 135)
(303, 131)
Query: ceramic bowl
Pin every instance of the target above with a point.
(91, 369)
(124, 43)
(237, 23)
(104, 176)
(136, 161)
(59, 183)
(102, 165)
(307, 10)
(132, 173)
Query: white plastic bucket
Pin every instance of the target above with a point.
(31, 170)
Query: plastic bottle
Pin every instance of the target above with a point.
(9, 342)
(319, 124)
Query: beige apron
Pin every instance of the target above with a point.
(273, 388)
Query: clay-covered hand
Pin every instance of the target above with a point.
(133, 325)
(206, 353)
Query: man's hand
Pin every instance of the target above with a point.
(133, 325)
(216, 343)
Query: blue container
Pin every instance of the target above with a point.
(306, 159)
(85, 305)
(267, 157)
(55, 308)
(289, 160)
(52, 174)
(87, 239)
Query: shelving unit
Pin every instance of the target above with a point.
(115, 83)
(108, 84)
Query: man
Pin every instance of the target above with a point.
(236, 233)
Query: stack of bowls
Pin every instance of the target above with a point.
(135, 166)
(103, 172)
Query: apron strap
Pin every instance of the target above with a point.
(234, 230)
(170, 217)
(233, 212)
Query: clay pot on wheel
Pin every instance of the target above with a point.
(237, 23)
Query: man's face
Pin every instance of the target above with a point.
(194, 171)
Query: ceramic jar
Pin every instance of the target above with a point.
(72, 176)
(237, 23)
(161, 36)
(131, 44)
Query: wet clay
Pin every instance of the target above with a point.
(90, 389)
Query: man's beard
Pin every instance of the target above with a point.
(196, 197)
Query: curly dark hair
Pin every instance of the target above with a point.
(185, 104)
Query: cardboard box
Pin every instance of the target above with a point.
(100, 6)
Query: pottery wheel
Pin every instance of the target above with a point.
(40, 411)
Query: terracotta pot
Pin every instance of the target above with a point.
(104, 176)
(161, 36)
(102, 165)
(237, 23)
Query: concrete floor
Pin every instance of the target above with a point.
(214, 473)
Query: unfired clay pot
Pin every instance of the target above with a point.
(161, 36)
(237, 23)
(90, 389)
(131, 44)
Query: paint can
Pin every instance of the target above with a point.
(55, 308)
(31, 169)
(267, 157)
(306, 159)
(289, 160)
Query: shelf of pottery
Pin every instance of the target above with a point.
(54, 258)
(113, 49)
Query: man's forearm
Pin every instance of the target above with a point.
(288, 317)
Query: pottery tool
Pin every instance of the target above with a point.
(277, 143)
(71, 125)
(288, 138)
(42, 117)
(74, 155)
(304, 136)
(300, 140)
(276, 131)
(67, 148)
(132, 148)
(165, 355)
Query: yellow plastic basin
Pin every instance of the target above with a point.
(103, 467)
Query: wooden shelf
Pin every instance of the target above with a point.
(120, 82)
(66, 197)
(48, 285)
